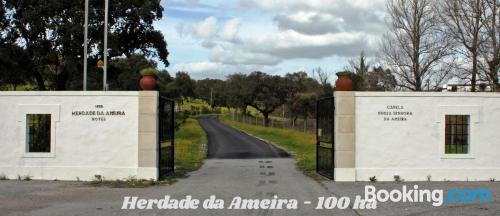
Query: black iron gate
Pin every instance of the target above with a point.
(325, 137)
(166, 121)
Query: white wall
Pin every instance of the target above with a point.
(414, 148)
(82, 147)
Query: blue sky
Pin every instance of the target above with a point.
(212, 39)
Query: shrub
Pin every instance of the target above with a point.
(27, 178)
(217, 110)
(3, 177)
(205, 110)
(149, 71)
(373, 179)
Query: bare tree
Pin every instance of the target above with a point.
(462, 19)
(322, 76)
(490, 50)
(416, 49)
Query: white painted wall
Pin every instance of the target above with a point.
(414, 149)
(82, 148)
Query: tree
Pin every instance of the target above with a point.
(240, 91)
(123, 73)
(163, 78)
(360, 66)
(381, 80)
(3, 21)
(462, 19)
(323, 78)
(490, 50)
(269, 92)
(212, 91)
(181, 87)
(416, 48)
(15, 67)
(51, 32)
(304, 93)
(302, 105)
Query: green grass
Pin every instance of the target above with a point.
(189, 152)
(301, 145)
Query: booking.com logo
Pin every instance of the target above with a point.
(468, 196)
(435, 196)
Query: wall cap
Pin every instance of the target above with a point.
(72, 93)
(427, 94)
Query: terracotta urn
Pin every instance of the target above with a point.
(148, 82)
(344, 82)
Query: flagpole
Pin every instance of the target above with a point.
(105, 75)
(85, 45)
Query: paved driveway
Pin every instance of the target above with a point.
(225, 142)
(264, 172)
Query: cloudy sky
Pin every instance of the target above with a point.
(214, 38)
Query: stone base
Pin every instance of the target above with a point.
(345, 174)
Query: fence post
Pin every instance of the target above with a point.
(305, 125)
(256, 118)
(272, 122)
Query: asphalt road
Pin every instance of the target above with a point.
(225, 142)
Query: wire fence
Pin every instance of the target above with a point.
(303, 125)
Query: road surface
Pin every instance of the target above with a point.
(225, 142)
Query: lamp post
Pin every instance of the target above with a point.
(85, 45)
(105, 75)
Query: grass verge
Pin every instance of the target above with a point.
(190, 147)
(301, 145)
(190, 150)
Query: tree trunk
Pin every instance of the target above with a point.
(305, 125)
(244, 109)
(61, 81)
(474, 72)
(39, 81)
(266, 119)
(493, 78)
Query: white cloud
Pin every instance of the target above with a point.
(278, 35)
(229, 30)
(319, 5)
(214, 70)
(309, 22)
(238, 56)
(291, 44)
(205, 28)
